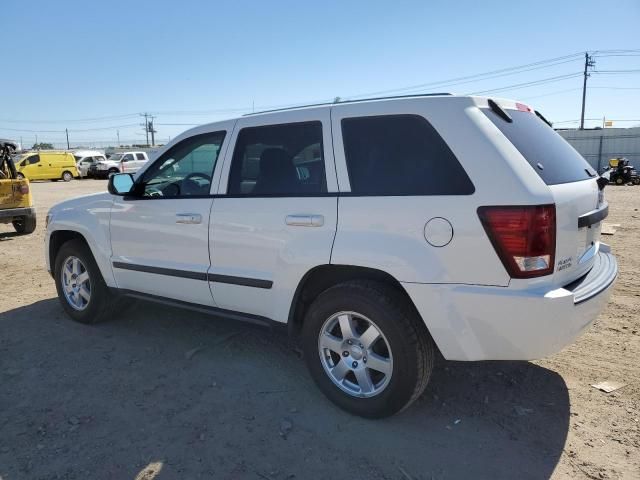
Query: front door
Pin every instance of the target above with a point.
(276, 212)
(159, 234)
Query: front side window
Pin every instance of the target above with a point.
(400, 155)
(184, 170)
(282, 159)
(34, 159)
(127, 158)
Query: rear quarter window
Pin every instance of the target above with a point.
(397, 155)
(553, 159)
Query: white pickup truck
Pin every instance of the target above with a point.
(377, 231)
(125, 162)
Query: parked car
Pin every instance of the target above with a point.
(16, 201)
(86, 158)
(126, 162)
(336, 222)
(47, 165)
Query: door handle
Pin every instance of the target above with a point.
(305, 220)
(188, 218)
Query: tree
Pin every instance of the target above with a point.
(42, 146)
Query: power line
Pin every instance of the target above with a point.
(529, 84)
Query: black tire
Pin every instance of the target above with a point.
(101, 304)
(411, 345)
(67, 176)
(635, 180)
(619, 181)
(19, 176)
(112, 171)
(25, 225)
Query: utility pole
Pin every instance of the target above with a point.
(118, 134)
(146, 125)
(588, 62)
(152, 131)
(67, 132)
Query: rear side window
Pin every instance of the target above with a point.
(140, 156)
(548, 153)
(400, 155)
(282, 159)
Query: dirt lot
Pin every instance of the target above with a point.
(163, 393)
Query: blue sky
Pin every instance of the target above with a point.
(192, 62)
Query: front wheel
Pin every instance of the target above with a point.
(67, 176)
(635, 180)
(81, 289)
(367, 349)
(20, 176)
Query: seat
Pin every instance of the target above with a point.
(277, 174)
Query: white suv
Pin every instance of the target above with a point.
(378, 231)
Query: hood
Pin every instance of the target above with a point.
(85, 202)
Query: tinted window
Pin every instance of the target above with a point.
(278, 160)
(127, 158)
(34, 159)
(400, 155)
(185, 169)
(140, 156)
(547, 152)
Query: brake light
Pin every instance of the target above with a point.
(522, 107)
(524, 237)
(24, 189)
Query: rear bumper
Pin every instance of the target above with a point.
(471, 322)
(11, 213)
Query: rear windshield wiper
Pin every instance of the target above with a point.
(541, 117)
(497, 109)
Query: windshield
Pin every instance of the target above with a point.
(550, 155)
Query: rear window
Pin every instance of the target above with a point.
(400, 155)
(548, 153)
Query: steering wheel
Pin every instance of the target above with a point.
(190, 177)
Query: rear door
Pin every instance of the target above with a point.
(276, 213)
(580, 205)
(141, 159)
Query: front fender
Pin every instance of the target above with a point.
(91, 220)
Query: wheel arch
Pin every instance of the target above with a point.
(322, 277)
(59, 238)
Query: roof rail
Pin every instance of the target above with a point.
(347, 101)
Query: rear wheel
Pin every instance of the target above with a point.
(25, 225)
(67, 176)
(619, 181)
(367, 349)
(82, 291)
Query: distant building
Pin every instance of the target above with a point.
(598, 145)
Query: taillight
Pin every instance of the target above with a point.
(24, 189)
(524, 237)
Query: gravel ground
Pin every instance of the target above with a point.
(164, 393)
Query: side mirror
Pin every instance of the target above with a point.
(120, 184)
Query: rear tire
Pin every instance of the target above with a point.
(25, 225)
(403, 348)
(619, 181)
(67, 176)
(100, 303)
